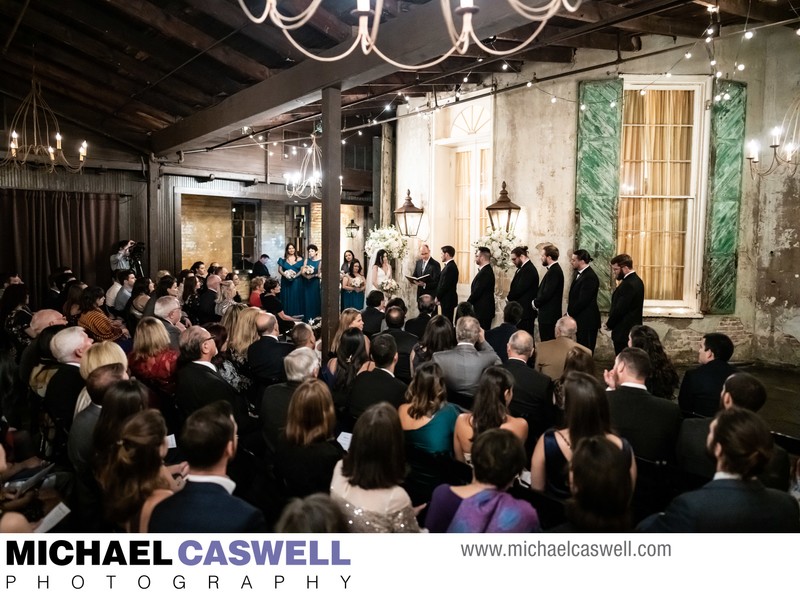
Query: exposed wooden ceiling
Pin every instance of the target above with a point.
(169, 74)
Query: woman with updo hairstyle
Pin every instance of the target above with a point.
(256, 289)
(135, 479)
(227, 291)
(587, 415)
(273, 304)
(489, 411)
(351, 359)
(600, 487)
(121, 401)
(309, 451)
(367, 481)
(439, 335)
(483, 505)
(428, 420)
(137, 303)
(663, 379)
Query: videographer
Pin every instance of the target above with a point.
(122, 259)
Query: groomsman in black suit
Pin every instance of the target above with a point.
(524, 287)
(427, 265)
(627, 301)
(447, 291)
(482, 291)
(551, 292)
(582, 300)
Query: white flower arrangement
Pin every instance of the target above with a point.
(289, 274)
(389, 239)
(389, 286)
(357, 282)
(500, 244)
(308, 270)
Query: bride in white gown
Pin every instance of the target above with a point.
(379, 271)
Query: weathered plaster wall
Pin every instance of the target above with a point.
(535, 144)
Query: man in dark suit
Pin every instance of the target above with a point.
(260, 267)
(265, 356)
(692, 455)
(198, 381)
(735, 501)
(405, 341)
(168, 310)
(208, 300)
(700, 388)
(482, 290)
(426, 306)
(447, 291)
(582, 300)
(206, 503)
(649, 423)
(373, 313)
(532, 398)
(427, 265)
(498, 336)
(627, 301)
(524, 286)
(550, 293)
(380, 384)
(463, 365)
(68, 347)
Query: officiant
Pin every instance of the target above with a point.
(426, 266)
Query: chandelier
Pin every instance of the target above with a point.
(306, 183)
(367, 33)
(785, 145)
(33, 129)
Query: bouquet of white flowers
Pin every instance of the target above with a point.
(308, 270)
(357, 282)
(289, 274)
(389, 286)
(389, 239)
(500, 244)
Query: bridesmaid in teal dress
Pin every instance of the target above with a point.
(353, 285)
(291, 288)
(312, 295)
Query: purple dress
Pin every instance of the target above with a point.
(443, 506)
(494, 511)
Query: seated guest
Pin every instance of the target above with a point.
(349, 318)
(463, 309)
(351, 359)
(587, 416)
(309, 450)
(271, 303)
(135, 479)
(168, 311)
(208, 301)
(426, 307)
(124, 293)
(139, 302)
(97, 355)
(54, 298)
(316, 514)
(72, 301)
(691, 453)
(367, 481)
(95, 321)
(68, 347)
(265, 356)
(439, 335)
(40, 321)
(227, 291)
(303, 336)
(533, 391)
(373, 313)
(484, 505)
(190, 299)
(301, 364)
(16, 317)
(231, 361)
(43, 364)
(121, 400)
(550, 354)
(577, 360)
(600, 488)
(120, 276)
(153, 360)
(700, 388)
(489, 411)
(206, 503)
(663, 379)
(199, 382)
(651, 424)
(427, 419)
(379, 384)
(463, 365)
(498, 336)
(735, 501)
(256, 290)
(395, 319)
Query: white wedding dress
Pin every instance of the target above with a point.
(376, 278)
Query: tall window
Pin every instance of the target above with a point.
(472, 185)
(661, 188)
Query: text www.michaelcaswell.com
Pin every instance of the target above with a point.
(567, 549)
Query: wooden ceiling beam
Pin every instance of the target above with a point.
(177, 30)
(602, 41)
(303, 83)
(593, 12)
(756, 11)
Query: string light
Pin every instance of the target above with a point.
(529, 85)
(688, 55)
(553, 99)
(748, 34)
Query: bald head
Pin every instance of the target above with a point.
(44, 318)
(267, 324)
(567, 327)
(520, 345)
(213, 281)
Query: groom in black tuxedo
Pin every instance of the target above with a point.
(427, 265)
(447, 289)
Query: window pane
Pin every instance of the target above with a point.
(463, 248)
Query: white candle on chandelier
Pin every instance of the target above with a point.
(52, 153)
(466, 4)
(776, 136)
(754, 150)
(362, 5)
(58, 140)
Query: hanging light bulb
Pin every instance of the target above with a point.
(748, 34)
(553, 99)
(687, 55)
(740, 67)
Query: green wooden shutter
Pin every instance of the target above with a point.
(724, 197)
(597, 180)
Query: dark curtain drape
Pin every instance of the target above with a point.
(41, 230)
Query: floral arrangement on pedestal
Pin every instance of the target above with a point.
(389, 239)
(500, 243)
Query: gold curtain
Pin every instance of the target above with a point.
(655, 186)
(463, 249)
